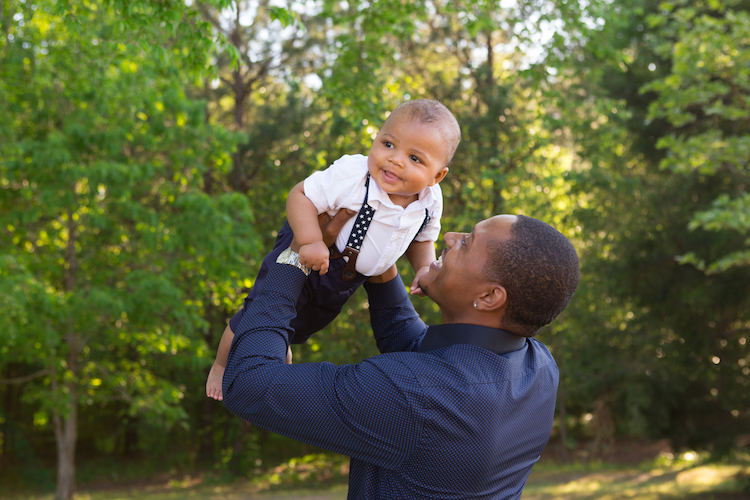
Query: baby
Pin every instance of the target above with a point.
(396, 192)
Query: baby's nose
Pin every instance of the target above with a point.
(397, 159)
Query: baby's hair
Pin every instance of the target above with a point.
(429, 111)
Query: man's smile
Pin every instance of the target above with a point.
(438, 264)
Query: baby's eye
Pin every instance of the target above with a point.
(388, 144)
(414, 159)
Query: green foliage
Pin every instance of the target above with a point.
(662, 345)
(705, 98)
(111, 249)
(147, 148)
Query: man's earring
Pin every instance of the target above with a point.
(475, 305)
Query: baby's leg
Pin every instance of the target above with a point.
(216, 375)
(321, 300)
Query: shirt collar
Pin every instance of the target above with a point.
(426, 197)
(492, 339)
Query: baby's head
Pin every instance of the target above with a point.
(434, 114)
(413, 149)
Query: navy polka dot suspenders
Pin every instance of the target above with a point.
(357, 236)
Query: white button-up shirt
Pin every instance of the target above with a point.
(342, 185)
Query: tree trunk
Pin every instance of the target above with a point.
(562, 409)
(239, 446)
(66, 435)
(562, 412)
(205, 434)
(66, 425)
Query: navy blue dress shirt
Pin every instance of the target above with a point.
(446, 412)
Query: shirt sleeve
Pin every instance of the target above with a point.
(329, 189)
(395, 323)
(432, 231)
(369, 411)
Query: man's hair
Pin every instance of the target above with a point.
(429, 111)
(539, 269)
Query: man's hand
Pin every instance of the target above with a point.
(330, 226)
(387, 276)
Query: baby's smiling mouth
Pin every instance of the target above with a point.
(390, 175)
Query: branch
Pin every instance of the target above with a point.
(21, 380)
(210, 18)
(261, 73)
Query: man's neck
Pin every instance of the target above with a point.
(472, 318)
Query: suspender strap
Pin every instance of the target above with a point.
(364, 218)
(357, 236)
(424, 223)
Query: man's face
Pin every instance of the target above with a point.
(456, 278)
(407, 156)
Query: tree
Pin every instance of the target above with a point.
(663, 344)
(110, 246)
(704, 98)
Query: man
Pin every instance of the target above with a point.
(458, 410)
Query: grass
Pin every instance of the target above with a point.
(666, 482)
(323, 477)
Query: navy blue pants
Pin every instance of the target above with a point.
(320, 301)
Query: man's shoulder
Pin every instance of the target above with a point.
(540, 350)
(476, 365)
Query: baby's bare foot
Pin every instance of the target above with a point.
(213, 384)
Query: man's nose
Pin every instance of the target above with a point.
(450, 239)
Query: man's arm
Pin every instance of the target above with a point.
(395, 323)
(340, 408)
(371, 411)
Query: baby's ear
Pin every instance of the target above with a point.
(439, 176)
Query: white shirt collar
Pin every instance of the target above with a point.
(377, 195)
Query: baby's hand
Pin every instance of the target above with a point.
(414, 289)
(315, 256)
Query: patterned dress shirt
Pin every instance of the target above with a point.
(446, 412)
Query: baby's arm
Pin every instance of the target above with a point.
(303, 219)
(420, 254)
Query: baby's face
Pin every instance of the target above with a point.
(407, 156)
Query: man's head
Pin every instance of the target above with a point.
(512, 272)
(413, 149)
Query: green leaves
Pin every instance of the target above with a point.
(285, 16)
(706, 97)
(110, 248)
(725, 214)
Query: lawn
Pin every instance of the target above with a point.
(606, 482)
(323, 477)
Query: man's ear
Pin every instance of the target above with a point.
(493, 299)
(439, 176)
